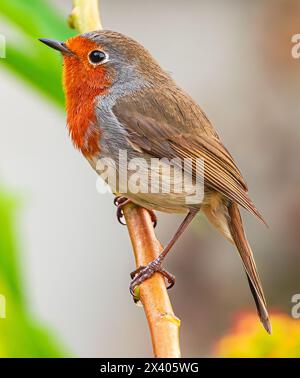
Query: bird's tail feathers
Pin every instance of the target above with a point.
(236, 228)
(227, 219)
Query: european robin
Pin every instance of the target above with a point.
(118, 98)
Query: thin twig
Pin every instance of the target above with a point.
(163, 324)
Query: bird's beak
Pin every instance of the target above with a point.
(56, 45)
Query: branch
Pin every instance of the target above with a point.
(85, 16)
(163, 324)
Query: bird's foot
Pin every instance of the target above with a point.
(144, 272)
(153, 217)
(121, 201)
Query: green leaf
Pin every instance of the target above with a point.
(27, 57)
(36, 18)
(20, 334)
(44, 72)
(9, 269)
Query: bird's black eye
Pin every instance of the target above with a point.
(97, 57)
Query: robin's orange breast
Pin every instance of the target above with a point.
(83, 126)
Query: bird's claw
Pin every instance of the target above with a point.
(144, 272)
(153, 217)
(121, 201)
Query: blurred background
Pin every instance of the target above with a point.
(64, 258)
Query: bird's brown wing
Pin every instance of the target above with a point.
(171, 125)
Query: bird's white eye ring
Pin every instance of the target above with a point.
(97, 57)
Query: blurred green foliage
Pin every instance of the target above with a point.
(26, 56)
(20, 334)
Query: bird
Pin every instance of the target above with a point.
(118, 98)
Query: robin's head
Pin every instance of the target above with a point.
(103, 59)
(97, 64)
